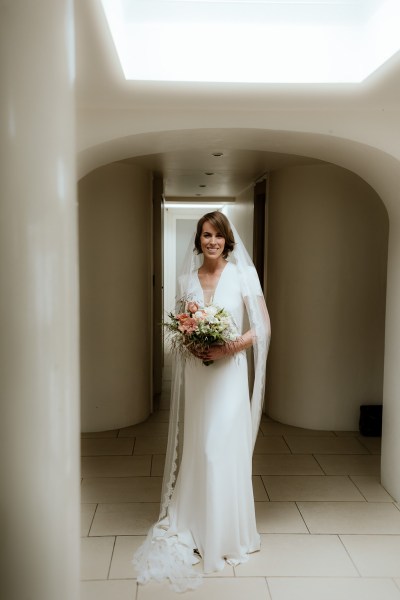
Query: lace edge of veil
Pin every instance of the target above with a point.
(151, 560)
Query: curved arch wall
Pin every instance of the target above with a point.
(365, 142)
(327, 260)
(115, 243)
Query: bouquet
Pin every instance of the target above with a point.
(198, 327)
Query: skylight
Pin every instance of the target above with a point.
(253, 41)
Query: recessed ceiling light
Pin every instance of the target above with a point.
(217, 153)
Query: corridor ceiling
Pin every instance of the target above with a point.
(101, 86)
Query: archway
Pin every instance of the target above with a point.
(376, 167)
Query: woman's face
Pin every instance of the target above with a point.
(212, 241)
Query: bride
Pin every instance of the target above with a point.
(207, 505)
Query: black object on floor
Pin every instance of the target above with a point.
(370, 423)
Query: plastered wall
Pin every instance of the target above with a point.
(115, 242)
(327, 260)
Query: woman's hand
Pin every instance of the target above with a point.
(204, 354)
(218, 351)
(211, 353)
(215, 352)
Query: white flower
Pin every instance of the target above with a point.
(211, 310)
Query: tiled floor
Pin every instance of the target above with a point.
(329, 530)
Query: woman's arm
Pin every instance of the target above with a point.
(229, 349)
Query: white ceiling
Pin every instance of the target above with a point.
(185, 172)
(100, 85)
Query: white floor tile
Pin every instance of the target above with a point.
(371, 488)
(327, 588)
(374, 555)
(285, 464)
(121, 489)
(113, 433)
(373, 444)
(157, 465)
(324, 445)
(275, 428)
(151, 445)
(108, 590)
(115, 466)
(351, 517)
(260, 495)
(279, 517)
(144, 429)
(121, 564)
(254, 588)
(125, 518)
(299, 555)
(273, 444)
(350, 464)
(87, 512)
(311, 487)
(106, 447)
(319, 481)
(96, 557)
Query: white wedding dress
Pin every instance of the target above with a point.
(212, 505)
(213, 496)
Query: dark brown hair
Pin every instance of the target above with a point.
(220, 222)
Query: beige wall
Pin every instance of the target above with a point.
(391, 389)
(115, 244)
(326, 295)
(241, 214)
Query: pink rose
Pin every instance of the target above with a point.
(188, 326)
(182, 317)
(192, 307)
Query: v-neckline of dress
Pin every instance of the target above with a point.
(216, 287)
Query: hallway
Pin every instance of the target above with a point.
(329, 530)
(70, 116)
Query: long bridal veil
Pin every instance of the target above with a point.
(259, 324)
(150, 560)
